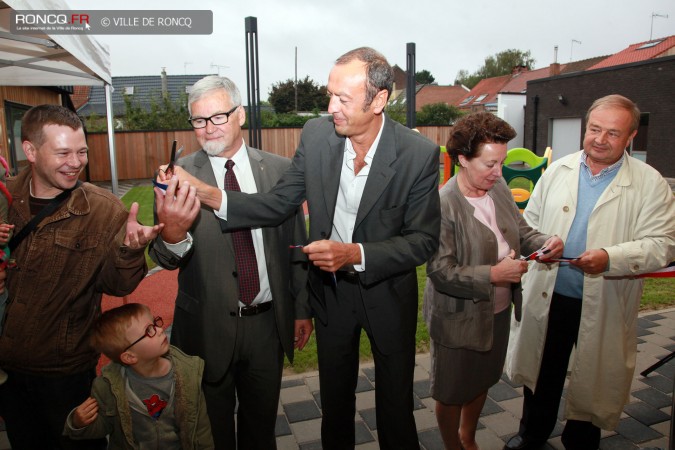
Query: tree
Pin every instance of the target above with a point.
(271, 119)
(311, 96)
(464, 78)
(94, 123)
(164, 113)
(438, 114)
(396, 111)
(424, 77)
(499, 64)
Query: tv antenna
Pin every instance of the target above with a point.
(218, 67)
(664, 16)
(574, 41)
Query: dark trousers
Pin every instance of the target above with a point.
(338, 354)
(35, 408)
(253, 381)
(540, 408)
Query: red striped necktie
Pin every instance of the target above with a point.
(248, 278)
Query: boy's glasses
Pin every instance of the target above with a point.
(150, 331)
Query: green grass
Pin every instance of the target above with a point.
(658, 293)
(145, 197)
(306, 359)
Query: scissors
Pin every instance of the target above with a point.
(175, 154)
(536, 254)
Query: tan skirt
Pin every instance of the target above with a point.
(459, 375)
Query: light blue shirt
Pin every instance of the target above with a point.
(570, 279)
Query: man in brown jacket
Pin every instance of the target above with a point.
(83, 244)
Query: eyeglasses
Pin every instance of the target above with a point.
(216, 119)
(150, 331)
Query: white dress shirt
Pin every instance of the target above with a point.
(350, 193)
(348, 200)
(244, 174)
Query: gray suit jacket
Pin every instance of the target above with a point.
(398, 221)
(204, 321)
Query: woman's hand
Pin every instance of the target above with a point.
(508, 270)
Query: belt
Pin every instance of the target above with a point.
(252, 310)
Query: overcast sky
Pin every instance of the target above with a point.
(449, 35)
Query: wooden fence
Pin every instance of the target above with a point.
(140, 153)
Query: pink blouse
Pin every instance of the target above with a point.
(484, 211)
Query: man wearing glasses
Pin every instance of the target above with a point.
(242, 299)
(371, 187)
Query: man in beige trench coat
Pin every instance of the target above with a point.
(617, 215)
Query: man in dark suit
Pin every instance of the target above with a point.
(371, 186)
(241, 333)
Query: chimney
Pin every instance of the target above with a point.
(554, 68)
(165, 84)
(518, 69)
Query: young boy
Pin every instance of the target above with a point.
(150, 395)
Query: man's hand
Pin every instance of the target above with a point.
(177, 210)
(303, 330)
(86, 413)
(208, 195)
(331, 256)
(137, 235)
(554, 247)
(592, 261)
(5, 230)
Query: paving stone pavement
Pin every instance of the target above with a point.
(645, 421)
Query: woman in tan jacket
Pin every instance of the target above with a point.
(475, 276)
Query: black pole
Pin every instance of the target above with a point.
(253, 83)
(410, 90)
(657, 364)
(535, 126)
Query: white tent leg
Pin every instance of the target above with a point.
(111, 138)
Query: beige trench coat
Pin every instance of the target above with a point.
(634, 221)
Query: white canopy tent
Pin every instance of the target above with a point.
(55, 60)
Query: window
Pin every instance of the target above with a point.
(650, 44)
(128, 90)
(13, 114)
(638, 148)
(467, 100)
(480, 98)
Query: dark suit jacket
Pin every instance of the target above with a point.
(398, 221)
(204, 324)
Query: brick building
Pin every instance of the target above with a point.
(556, 108)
